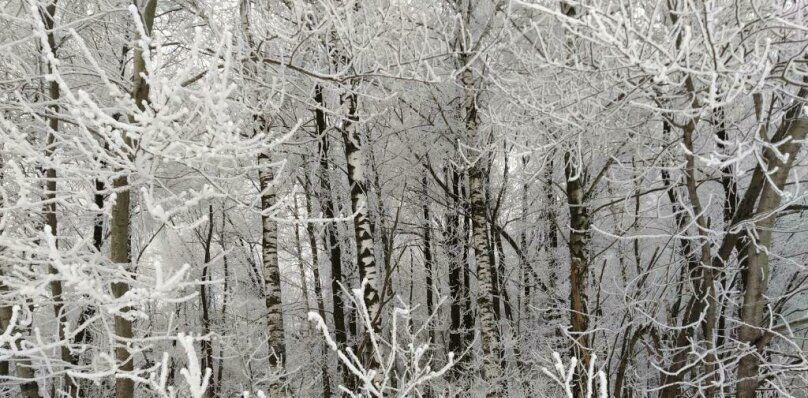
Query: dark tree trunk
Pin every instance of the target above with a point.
(318, 289)
(207, 349)
(428, 253)
(331, 240)
(453, 250)
(579, 270)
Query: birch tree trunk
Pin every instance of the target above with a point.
(363, 229)
(491, 370)
(272, 275)
(269, 230)
(466, 246)
(453, 248)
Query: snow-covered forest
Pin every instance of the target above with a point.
(403, 198)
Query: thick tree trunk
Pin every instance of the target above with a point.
(757, 275)
(489, 333)
(120, 255)
(29, 388)
(491, 371)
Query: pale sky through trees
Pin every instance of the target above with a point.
(386, 198)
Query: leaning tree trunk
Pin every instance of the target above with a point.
(752, 331)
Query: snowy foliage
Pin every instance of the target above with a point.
(453, 198)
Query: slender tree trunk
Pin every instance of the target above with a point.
(120, 254)
(5, 310)
(490, 250)
(579, 270)
(427, 253)
(48, 14)
(29, 388)
(551, 243)
(301, 268)
(83, 336)
(318, 289)
(5, 319)
(453, 249)
(207, 349)
(225, 296)
(525, 269)
(503, 285)
(466, 246)
(331, 240)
